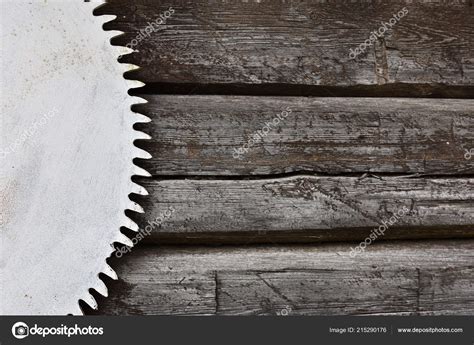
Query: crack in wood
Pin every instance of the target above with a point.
(275, 290)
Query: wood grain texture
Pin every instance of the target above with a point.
(299, 42)
(307, 208)
(422, 278)
(305, 182)
(202, 135)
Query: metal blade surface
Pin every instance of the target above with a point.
(66, 154)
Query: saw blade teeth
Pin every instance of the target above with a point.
(136, 208)
(137, 189)
(109, 272)
(114, 33)
(139, 100)
(121, 238)
(133, 84)
(133, 226)
(139, 135)
(122, 51)
(101, 288)
(142, 154)
(106, 18)
(140, 171)
(130, 67)
(126, 50)
(90, 300)
(130, 224)
(95, 4)
(140, 118)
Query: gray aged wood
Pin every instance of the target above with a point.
(423, 278)
(300, 42)
(308, 208)
(285, 48)
(201, 135)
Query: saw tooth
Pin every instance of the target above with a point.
(133, 226)
(106, 18)
(121, 51)
(142, 154)
(139, 100)
(101, 288)
(137, 189)
(132, 84)
(139, 135)
(90, 300)
(130, 224)
(136, 208)
(126, 50)
(114, 33)
(130, 67)
(109, 272)
(140, 118)
(95, 4)
(121, 238)
(140, 171)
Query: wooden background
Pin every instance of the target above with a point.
(271, 233)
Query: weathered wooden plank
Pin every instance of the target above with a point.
(299, 42)
(148, 292)
(424, 277)
(206, 135)
(249, 293)
(307, 208)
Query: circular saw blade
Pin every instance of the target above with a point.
(66, 155)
